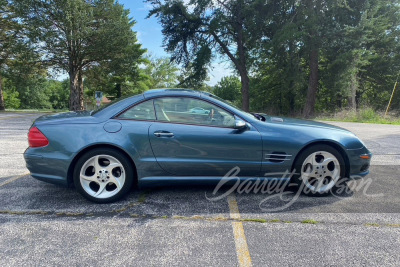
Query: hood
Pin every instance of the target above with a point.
(299, 122)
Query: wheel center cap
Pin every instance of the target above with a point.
(320, 173)
(103, 176)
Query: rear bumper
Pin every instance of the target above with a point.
(52, 179)
(51, 168)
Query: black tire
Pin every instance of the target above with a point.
(306, 187)
(126, 169)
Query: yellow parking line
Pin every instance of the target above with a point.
(242, 251)
(13, 179)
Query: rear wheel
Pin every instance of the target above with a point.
(103, 175)
(319, 169)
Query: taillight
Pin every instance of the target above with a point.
(36, 138)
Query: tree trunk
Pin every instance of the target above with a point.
(2, 105)
(118, 88)
(353, 92)
(309, 108)
(76, 90)
(244, 77)
(292, 67)
(352, 103)
(81, 97)
(292, 102)
(242, 64)
(339, 101)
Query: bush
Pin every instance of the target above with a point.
(366, 115)
(11, 99)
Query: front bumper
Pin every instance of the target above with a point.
(358, 167)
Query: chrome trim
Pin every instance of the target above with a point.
(280, 155)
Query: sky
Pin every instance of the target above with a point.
(150, 36)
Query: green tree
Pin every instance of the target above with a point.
(188, 78)
(113, 76)
(280, 72)
(197, 30)
(19, 62)
(155, 72)
(29, 79)
(58, 93)
(228, 88)
(360, 61)
(311, 24)
(76, 35)
(12, 41)
(372, 57)
(347, 50)
(11, 95)
(161, 72)
(124, 68)
(152, 73)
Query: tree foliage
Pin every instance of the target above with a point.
(15, 50)
(196, 31)
(290, 57)
(152, 73)
(76, 35)
(161, 72)
(228, 88)
(298, 56)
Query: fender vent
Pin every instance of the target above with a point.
(277, 157)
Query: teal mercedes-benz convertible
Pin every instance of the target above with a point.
(157, 136)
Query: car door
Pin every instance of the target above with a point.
(189, 143)
(134, 133)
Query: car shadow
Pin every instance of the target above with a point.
(198, 197)
(178, 199)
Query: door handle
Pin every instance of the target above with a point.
(163, 134)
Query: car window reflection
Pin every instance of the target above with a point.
(191, 111)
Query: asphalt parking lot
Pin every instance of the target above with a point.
(178, 225)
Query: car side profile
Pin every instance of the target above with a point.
(161, 135)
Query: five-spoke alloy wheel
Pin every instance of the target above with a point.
(319, 168)
(103, 175)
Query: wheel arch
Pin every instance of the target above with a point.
(91, 147)
(332, 144)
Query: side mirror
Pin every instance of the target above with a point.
(240, 124)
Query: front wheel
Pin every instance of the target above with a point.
(103, 175)
(319, 169)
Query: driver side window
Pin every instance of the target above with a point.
(192, 111)
(141, 111)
